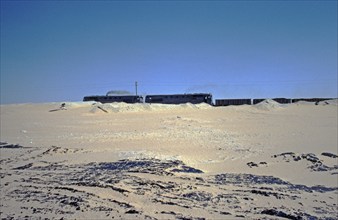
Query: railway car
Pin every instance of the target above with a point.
(116, 98)
(227, 102)
(311, 99)
(180, 98)
(282, 100)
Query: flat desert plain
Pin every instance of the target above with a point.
(141, 161)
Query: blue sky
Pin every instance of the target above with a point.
(64, 50)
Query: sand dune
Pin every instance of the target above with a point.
(141, 161)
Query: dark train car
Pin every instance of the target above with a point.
(180, 98)
(119, 98)
(279, 100)
(282, 100)
(311, 99)
(227, 102)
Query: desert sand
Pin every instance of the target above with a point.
(141, 161)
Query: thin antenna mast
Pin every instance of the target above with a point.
(136, 87)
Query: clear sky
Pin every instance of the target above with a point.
(64, 50)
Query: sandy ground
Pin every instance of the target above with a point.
(141, 161)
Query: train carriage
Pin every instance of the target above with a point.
(316, 100)
(115, 98)
(195, 98)
(227, 102)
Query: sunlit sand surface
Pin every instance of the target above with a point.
(142, 161)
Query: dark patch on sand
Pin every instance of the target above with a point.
(57, 189)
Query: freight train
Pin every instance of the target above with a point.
(194, 98)
(227, 102)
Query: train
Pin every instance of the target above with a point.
(194, 98)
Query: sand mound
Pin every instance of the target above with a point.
(187, 105)
(203, 106)
(117, 107)
(77, 104)
(268, 104)
(303, 103)
(140, 107)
